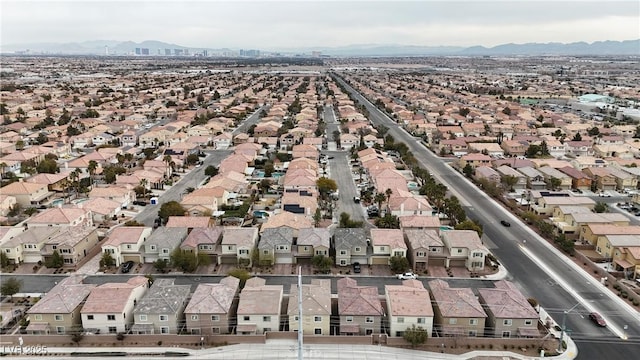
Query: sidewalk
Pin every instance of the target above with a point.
(288, 350)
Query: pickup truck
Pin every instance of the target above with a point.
(407, 276)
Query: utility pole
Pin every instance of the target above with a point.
(300, 328)
(564, 320)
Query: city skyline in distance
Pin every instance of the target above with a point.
(295, 25)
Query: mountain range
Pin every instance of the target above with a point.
(100, 47)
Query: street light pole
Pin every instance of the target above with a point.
(563, 329)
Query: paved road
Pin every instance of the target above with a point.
(341, 173)
(196, 177)
(193, 179)
(556, 284)
(332, 125)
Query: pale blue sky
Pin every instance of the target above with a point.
(272, 24)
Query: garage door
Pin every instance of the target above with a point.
(379, 261)
(134, 258)
(457, 263)
(228, 260)
(436, 262)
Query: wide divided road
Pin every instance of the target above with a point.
(539, 270)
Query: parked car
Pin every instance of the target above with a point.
(604, 194)
(356, 199)
(356, 267)
(505, 223)
(127, 266)
(140, 203)
(407, 276)
(597, 319)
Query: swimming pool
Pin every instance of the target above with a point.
(56, 203)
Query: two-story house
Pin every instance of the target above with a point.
(160, 311)
(359, 308)
(457, 311)
(316, 302)
(125, 243)
(203, 241)
(408, 304)
(72, 243)
(26, 246)
(424, 247)
(509, 314)
(162, 242)
(109, 307)
(465, 249)
(275, 246)
(386, 243)
(58, 312)
(27, 194)
(311, 242)
(603, 178)
(237, 245)
(210, 309)
(259, 307)
(351, 246)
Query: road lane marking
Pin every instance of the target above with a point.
(585, 303)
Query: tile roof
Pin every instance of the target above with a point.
(408, 299)
(358, 300)
(316, 298)
(507, 302)
(455, 302)
(213, 298)
(163, 297)
(111, 297)
(63, 298)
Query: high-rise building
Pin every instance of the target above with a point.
(138, 51)
(145, 51)
(106, 50)
(167, 52)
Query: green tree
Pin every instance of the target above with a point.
(211, 171)
(107, 260)
(241, 274)
(577, 137)
(388, 221)
(186, 261)
(554, 183)
(509, 181)
(10, 287)
(4, 260)
(379, 198)
(326, 186)
(601, 207)
(468, 170)
(192, 159)
(55, 261)
(470, 225)
(161, 265)
(317, 217)
(594, 131)
(415, 335)
(47, 166)
(170, 208)
(322, 263)
(346, 222)
(506, 111)
(454, 210)
(399, 264)
(532, 151)
(268, 169)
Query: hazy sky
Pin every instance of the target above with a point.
(270, 24)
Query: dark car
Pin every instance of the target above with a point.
(127, 266)
(505, 223)
(356, 267)
(140, 203)
(597, 319)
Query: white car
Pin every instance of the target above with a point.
(407, 276)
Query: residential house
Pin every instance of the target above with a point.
(259, 307)
(72, 243)
(212, 307)
(608, 243)
(425, 247)
(162, 242)
(474, 160)
(316, 302)
(457, 312)
(121, 195)
(546, 204)
(109, 307)
(7, 204)
(27, 194)
(464, 248)
(289, 220)
(520, 179)
(627, 259)
(27, 245)
(311, 242)
(160, 311)
(351, 246)
(579, 180)
(54, 182)
(125, 243)
(487, 173)
(62, 216)
(386, 243)
(603, 178)
(359, 308)
(555, 179)
(624, 180)
(189, 222)
(275, 246)
(237, 245)
(408, 304)
(535, 179)
(405, 203)
(509, 312)
(203, 241)
(592, 232)
(58, 311)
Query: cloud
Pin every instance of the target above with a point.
(278, 24)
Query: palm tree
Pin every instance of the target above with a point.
(143, 184)
(167, 161)
(379, 198)
(3, 166)
(75, 178)
(93, 165)
(388, 193)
